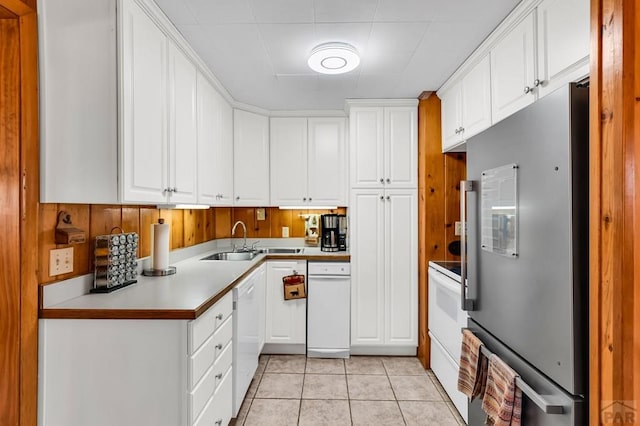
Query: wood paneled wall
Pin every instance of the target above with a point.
(615, 213)
(439, 177)
(188, 227)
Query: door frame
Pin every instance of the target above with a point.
(20, 400)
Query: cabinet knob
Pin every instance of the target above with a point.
(237, 198)
(310, 199)
(388, 180)
(219, 346)
(537, 82)
(388, 198)
(175, 189)
(219, 316)
(381, 180)
(382, 198)
(304, 199)
(219, 422)
(527, 89)
(219, 376)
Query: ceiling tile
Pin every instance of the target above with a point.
(356, 34)
(408, 10)
(490, 12)
(178, 11)
(345, 11)
(221, 11)
(288, 46)
(391, 46)
(282, 11)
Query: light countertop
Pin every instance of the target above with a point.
(195, 287)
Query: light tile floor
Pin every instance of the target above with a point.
(296, 390)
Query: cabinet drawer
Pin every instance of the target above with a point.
(218, 410)
(199, 396)
(209, 352)
(203, 327)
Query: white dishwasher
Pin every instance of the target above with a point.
(328, 309)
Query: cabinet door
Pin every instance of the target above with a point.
(288, 151)
(144, 112)
(224, 152)
(512, 71)
(367, 266)
(451, 108)
(286, 320)
(563, 42)
(476, 99)
(208, 124)
(250, 159)
(366, 147)
(401, 147)
(183, 138)
(401, 272)
(327, 162)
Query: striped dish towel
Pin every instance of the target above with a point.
(502, 399)
(472, 372)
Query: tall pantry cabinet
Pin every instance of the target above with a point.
(383, 221)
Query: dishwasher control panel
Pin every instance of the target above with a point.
(328, 268)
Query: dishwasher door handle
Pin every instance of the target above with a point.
(329, 277)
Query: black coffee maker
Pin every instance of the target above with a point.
(330, 232)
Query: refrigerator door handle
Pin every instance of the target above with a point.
(466, 304)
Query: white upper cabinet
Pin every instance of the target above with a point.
(366, 140)
(308, 162)
(250, 159)
(215, 146)
(563, 42)
(183, 138)
(326, 162)
(288, 146)
(513, 70)
(383, 146)
(144, 108)
(451, 108)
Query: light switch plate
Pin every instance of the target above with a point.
(285, 232)
(458, 230)
(60, 261)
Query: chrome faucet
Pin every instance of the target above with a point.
(233, 232)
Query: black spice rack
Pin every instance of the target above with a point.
(115, 261)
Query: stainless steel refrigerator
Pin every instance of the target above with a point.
(527, 253)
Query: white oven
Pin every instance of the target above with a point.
(446, 319)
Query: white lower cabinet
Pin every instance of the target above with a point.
(286, 320)
(137, 372)
(384, 281)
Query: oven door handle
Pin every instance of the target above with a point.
(465, 303)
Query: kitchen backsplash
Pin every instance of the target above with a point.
(188, 227)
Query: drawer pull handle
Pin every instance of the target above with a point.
(219, 376)
(219, 316)
(219, 346)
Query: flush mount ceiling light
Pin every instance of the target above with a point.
(334, 58)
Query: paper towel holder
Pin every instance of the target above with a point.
(170, 270)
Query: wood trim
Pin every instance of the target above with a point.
(18, 7)
(10, 221)
(614, 212)
(29, 164)
(431, 210)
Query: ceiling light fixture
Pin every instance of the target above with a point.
(334, 58)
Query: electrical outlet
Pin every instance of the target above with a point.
(285, 232)
(458, 230)
(60, 261)
(261, 214)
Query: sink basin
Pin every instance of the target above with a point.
(281, 250)
(230, 255)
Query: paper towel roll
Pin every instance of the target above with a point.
(160, 245)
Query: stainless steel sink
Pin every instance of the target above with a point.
(273, 250)
(230, 255)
